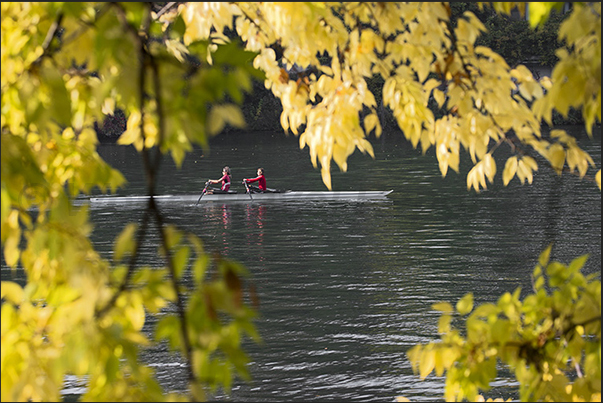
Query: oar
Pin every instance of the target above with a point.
(247, 187)
(203, 192)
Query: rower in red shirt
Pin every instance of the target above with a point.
(260, 179)
(224, 181)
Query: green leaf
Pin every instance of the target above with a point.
(168, 328)
(485, 310)
(539, 283)
(60, 107)
(543, 260)
(200, 267)
(5, 206)
(180, 260)
(172, 236)
(220, 115)
(135, 313)
(125, 242)
(502, 331)
(577, 264)
(539, 12)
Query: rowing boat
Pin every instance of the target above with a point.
(288, 195)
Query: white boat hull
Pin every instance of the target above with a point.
(245, 197)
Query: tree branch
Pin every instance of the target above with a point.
(179, 300)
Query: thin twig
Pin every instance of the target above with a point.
(165, 9)
(50, 35)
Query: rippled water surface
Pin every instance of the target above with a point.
(346, 287)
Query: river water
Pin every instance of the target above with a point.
(346, 287)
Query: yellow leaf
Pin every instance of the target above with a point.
(11, 243)
(108, 107)
(448, 357)
(431, 84)
(177, 49)
(472, 180)
(414, 356)
(439, 363)
(444, 323)
(135, 313)
(489, 167)
(340, 155)
(132, 133)
(465, 304)
(443, 307)
(476, 178)
(326, 177)
(12, 292)
(530, 163)
(427, 363)
(539, 12)
(136, 337)
(439, 97)
(151, 132)
(370, 122)
(524, 173)
(556, 156)
(510, 170)
(521, 73)
(543, 259)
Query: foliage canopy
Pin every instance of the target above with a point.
(179, 71)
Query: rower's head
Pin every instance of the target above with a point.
(260, 171)
(226, 170)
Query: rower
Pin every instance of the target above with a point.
(260, 179)
(224, 180)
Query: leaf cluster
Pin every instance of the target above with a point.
(421, 53)
(551, 339)
(65, 66)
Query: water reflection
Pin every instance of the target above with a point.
(218, 222)
(254, 235)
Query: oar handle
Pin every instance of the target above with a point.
(202, 192)
(247, 188)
